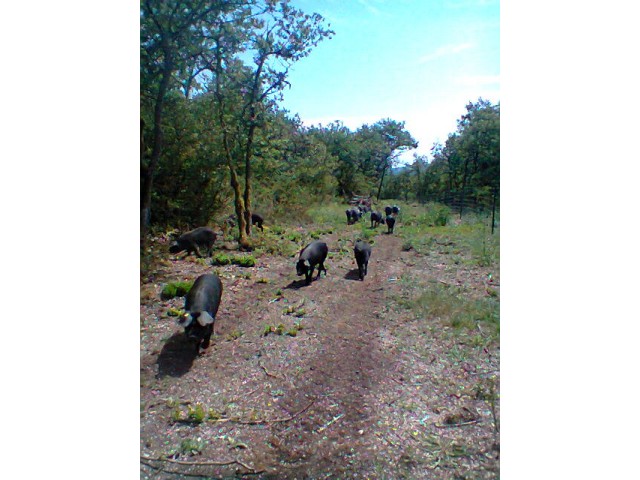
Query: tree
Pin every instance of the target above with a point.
(202, 48)
(382, 144)
(478, 144)
(277, 35)
(170, 36)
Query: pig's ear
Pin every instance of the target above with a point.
(185, 320)
(205, 319)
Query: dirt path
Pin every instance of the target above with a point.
(333, 401)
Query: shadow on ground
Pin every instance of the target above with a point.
(176, 357)
(352, 275)
(296, 284)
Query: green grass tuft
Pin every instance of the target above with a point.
(175, 289)
(240, 260)
(457, 310)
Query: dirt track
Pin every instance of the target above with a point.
(359, 392)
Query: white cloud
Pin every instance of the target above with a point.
(370, 8)
(444, 51)
(469, 3)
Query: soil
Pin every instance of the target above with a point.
(367, 388)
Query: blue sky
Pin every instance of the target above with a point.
(415, 61)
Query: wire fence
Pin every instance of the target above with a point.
(468, 201)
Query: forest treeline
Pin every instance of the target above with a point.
(214, 136)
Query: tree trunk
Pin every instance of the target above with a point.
(384, 170)
(249, 145)
(243, 241)
(247, 178)
(148, 172)
(239, 203)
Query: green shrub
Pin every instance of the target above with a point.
(293, 236)
(234, 335)
(197, 414)
(221, 259)
(244, 261)
(191, 446)
(175, 289)
(327, 214)
(281, 329)
(277, 230)
(224, 259)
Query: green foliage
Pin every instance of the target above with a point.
(366, 233)
(234, 335)
(433, 215)
(294, 236)
(245, 261)
(192, 446)
(186, 113)
(196, 414)
(294, 310)
(213, 415)
(240, 260)
(327, 215)
(280, 329)
(175, 312)
(221, 259)
(271, 244)
(438, 215)
(476, 235)
(176, 289)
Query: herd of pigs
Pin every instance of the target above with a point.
(203, 300)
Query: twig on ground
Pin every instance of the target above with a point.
(276, 420)
(453, 425)
(206, 464)
(483, 373)
(269, 374)
(265, 421)
(326, 425)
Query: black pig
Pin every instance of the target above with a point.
(256, 219)
(313, 254)
(376, 219)
(190, 241)
(353, 215)
(390, 223)
(362, 251)
(201, 307)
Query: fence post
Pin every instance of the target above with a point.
(493, 209)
